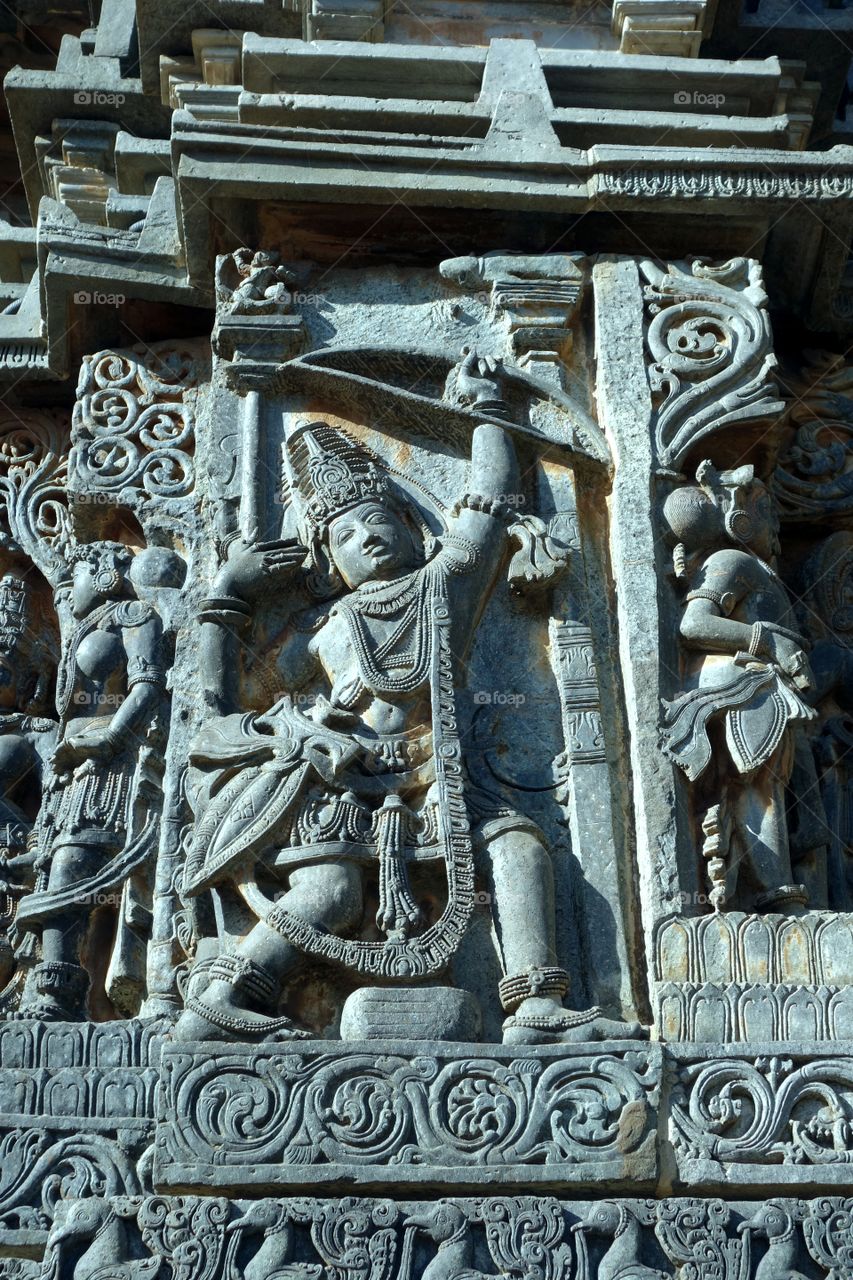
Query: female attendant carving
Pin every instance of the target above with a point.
(746, 677)
(97, 821)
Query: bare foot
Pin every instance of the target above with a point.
(539, 1020)
(216, 1016)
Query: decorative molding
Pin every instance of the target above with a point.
(134, 424)
(792, 1106)
(33, 493)
(710, 345)
(289, 1115)
(194, 1238)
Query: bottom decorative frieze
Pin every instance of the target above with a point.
(273, 1118)
(537, 1238)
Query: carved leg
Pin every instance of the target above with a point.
(532, 992)
(765, 834)
(327, 895)
(60, 982)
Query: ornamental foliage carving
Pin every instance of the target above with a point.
(712, 362)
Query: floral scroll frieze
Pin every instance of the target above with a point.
(33, 478)
(285, 1116)
(739, 1119)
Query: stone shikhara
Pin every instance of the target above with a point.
(426, 644)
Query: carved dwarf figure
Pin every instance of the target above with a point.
(109, 687)
(264, 284)
(294, 806)
(748, 671)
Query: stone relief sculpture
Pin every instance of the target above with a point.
(252, 795)
(747, 675)
(27, 739)
(291, 805)
(827, 821)
(405, 875)
(262, 283)
(97, 819)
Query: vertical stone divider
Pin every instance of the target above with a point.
(585, 790)
(665, 869)
(577, 633)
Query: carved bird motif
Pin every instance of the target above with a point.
(110, 1254)
(622, 1260)
(272, 1258)
(446, 1225)
(776, 1224)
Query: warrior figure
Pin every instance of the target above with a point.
(109, 686)
(294, 805)
(746, 679)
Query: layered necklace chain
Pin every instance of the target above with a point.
(408, 599)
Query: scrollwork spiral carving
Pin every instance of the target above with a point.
(710, 345)
(766, 1111)
(134, 428)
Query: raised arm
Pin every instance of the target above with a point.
(226, 613)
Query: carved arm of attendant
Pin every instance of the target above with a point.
(111, 735)
(706, 625)
(481, 519)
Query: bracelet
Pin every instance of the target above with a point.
(146, 677)
(214, 608)
(141, 671)
(723, 600)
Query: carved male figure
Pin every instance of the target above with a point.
(294, 806)
(747, 675)
(108, 689)
(27, 739)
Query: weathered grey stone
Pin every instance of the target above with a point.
(410, 1013)
(425, 642)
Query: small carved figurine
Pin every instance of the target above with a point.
(747, 674)
(264, 284)
(108, 693)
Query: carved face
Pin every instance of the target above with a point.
(369, 542)
(765, 538)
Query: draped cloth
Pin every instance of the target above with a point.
(757, 702)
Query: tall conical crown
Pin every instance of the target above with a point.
(331, 472)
